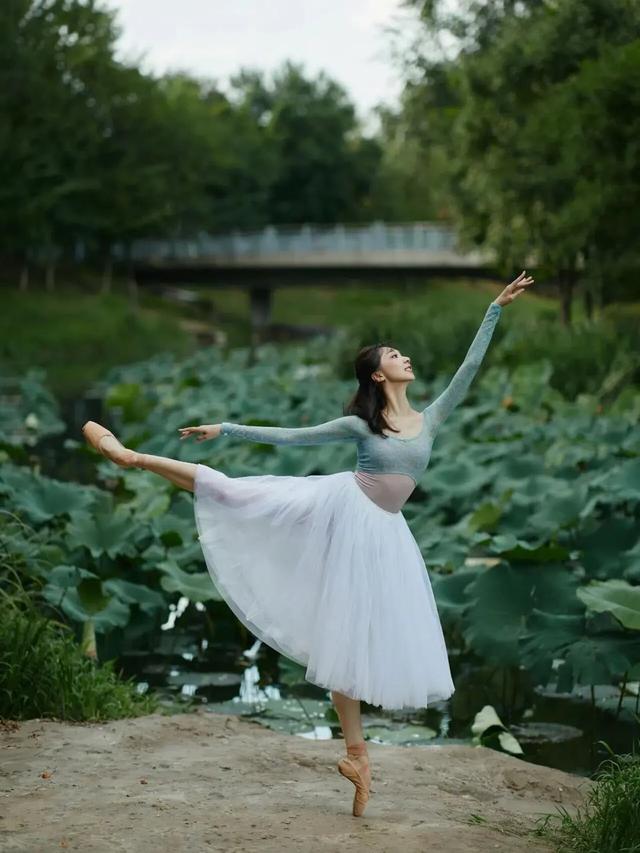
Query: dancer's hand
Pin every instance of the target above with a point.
(202, 432)
(513, 290)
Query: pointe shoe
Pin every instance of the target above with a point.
(350, 771)
(94, 433)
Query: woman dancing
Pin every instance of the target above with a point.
(324, 568)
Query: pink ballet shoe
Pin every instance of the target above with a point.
(94, 433)
(354, 774)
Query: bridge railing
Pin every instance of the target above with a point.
(378, 237)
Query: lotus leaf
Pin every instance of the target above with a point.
(172, 531)
(152, 497)
(196, 586)
(451, 590)
(486, 516)
(603, 545)
(487, 725)
(116, 614)
(150, 600)
(112, 535)
(43, 498)
(64, 577)
(614, 596)
(502, 598)
(560, 508)
(599, 660)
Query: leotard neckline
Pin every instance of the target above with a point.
(413, 437)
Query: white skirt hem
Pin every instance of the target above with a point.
(316, 570)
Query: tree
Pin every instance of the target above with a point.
(588, 134)
(324, 165)
(95, 154)
(49, 50)
(520, 184)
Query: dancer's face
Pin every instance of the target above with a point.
(394, 367)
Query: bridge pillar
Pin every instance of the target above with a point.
(260, 301)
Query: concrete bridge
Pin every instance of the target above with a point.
(273, 257)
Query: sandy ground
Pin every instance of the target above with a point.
(203, 782)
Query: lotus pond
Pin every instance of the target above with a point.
(528, 518)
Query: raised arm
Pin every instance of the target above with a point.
(442, 406)
(339, 429)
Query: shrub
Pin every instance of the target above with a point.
(43, 672)
(610, 819)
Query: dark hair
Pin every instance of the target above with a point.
(369, 399)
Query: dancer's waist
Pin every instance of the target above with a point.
(388, 491)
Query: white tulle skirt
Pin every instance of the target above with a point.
(319, 572)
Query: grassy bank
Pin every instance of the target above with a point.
(76, 335)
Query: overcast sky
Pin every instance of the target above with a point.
(215, 38)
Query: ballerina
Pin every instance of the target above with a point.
(324, 568)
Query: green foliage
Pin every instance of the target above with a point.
(43, 672)
(544, 489)
(625, 318)
(589, 357)
(75, 337)
(40, 499)
(103, 563)
(614, 596)
(435, 346)
(528, 511)
(597, 357)
(323, 166)
(410, 183)
(29, 411)
(94, 153)
(539, 112)
(609, 821)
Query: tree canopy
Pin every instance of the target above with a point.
(537, 109)
(95, 152)
(521, 131)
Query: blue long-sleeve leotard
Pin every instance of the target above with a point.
(378, 454)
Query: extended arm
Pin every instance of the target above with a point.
(442, 406)
(339, 429)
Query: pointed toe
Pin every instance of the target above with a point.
(93, 433)
(348, 769)
(122, 456)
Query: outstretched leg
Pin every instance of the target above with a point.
(182, 474)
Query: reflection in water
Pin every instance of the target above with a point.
(252, 653)
(318, 733)
(250, 690)
(175, 611)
